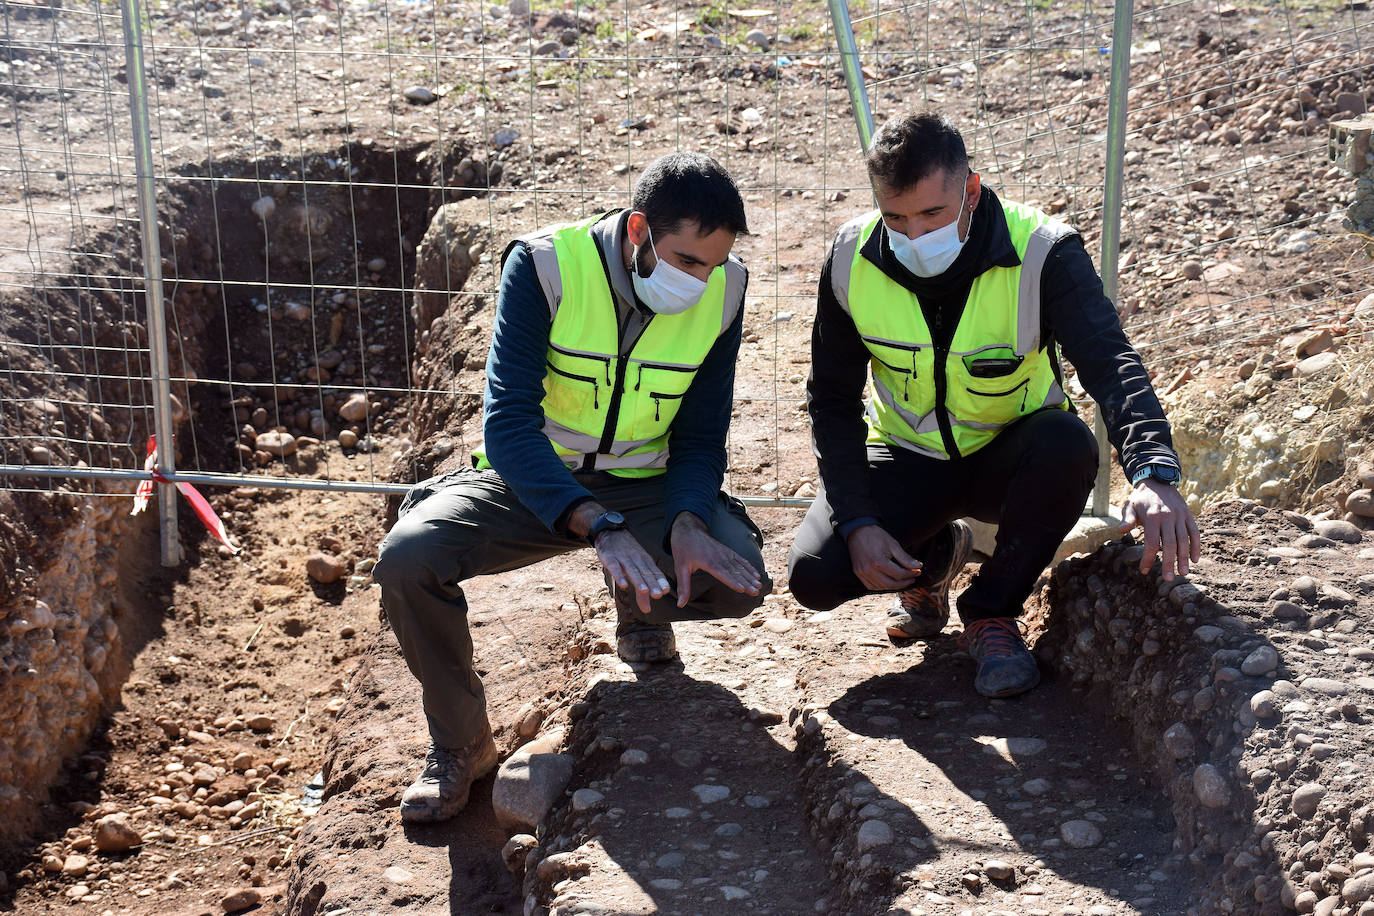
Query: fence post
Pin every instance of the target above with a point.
(1120, 83)
(853, 72)
(152, 277)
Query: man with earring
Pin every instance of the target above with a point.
(959, 304)
(609, 388)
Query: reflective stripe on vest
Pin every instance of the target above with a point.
(996, 369)
(584, 368)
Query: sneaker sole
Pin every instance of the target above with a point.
(1014, 692)
(660, 645)
(654, 658)
(898, 633)
(1011, 691)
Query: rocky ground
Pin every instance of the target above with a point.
(1189, 743)
(330, 299)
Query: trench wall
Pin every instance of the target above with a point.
(1234, 703)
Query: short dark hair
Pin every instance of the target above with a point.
(689, 186)
(910, 147)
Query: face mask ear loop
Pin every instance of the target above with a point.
(635, 254)
(652, 246)
(962, 201)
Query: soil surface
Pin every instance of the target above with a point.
(861, 776)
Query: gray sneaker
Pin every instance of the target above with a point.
(923, 610)
(441, 790)
(1005, 665)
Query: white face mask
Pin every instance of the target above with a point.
(667, 290)
(931, 254)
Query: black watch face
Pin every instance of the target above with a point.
(1165, 474)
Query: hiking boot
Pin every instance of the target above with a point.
(923, 610)
(441, 790)
(1005, 666)
(641, 642)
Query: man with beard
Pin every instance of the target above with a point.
(609, 389)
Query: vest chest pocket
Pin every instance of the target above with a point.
(997, 385)
(906, 371)
(656, 390)
(575, 388)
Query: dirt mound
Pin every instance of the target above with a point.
(1290, 426)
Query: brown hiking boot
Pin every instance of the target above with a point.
(639, 641)
(441, 790)
(647, 643)
(923, 610)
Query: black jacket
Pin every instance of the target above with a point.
(1077, 317)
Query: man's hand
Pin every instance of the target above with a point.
(628, 563)
(1169, 530)
(879, 561)
(694, 549)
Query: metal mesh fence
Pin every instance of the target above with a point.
(1232, 214)
(336, 181)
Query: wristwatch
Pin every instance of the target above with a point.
(1163, 473)
(609, 520)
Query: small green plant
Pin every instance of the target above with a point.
(714, 15)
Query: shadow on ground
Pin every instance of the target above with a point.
(1047, 774)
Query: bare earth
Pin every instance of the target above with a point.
(860, 777)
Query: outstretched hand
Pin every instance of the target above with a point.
(624, 558)
(879, 561)
(1168, 528)
(631, 567)
(694, 549)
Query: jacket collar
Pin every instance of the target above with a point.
(609, 232)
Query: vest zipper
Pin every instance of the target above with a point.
(941, 414)
(659, 395)
(604, 360)
(622, 366)
(1025, 383)
(639, 376)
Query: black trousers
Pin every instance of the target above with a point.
(1032, 480)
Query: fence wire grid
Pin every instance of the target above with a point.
(335, 182)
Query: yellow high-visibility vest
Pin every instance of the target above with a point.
(996, 370)
(603, 409)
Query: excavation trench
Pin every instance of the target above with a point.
(275, 322)
(797, 766)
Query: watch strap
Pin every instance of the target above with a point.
(606, 521)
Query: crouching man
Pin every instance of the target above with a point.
(958, 304)
(608, 398)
